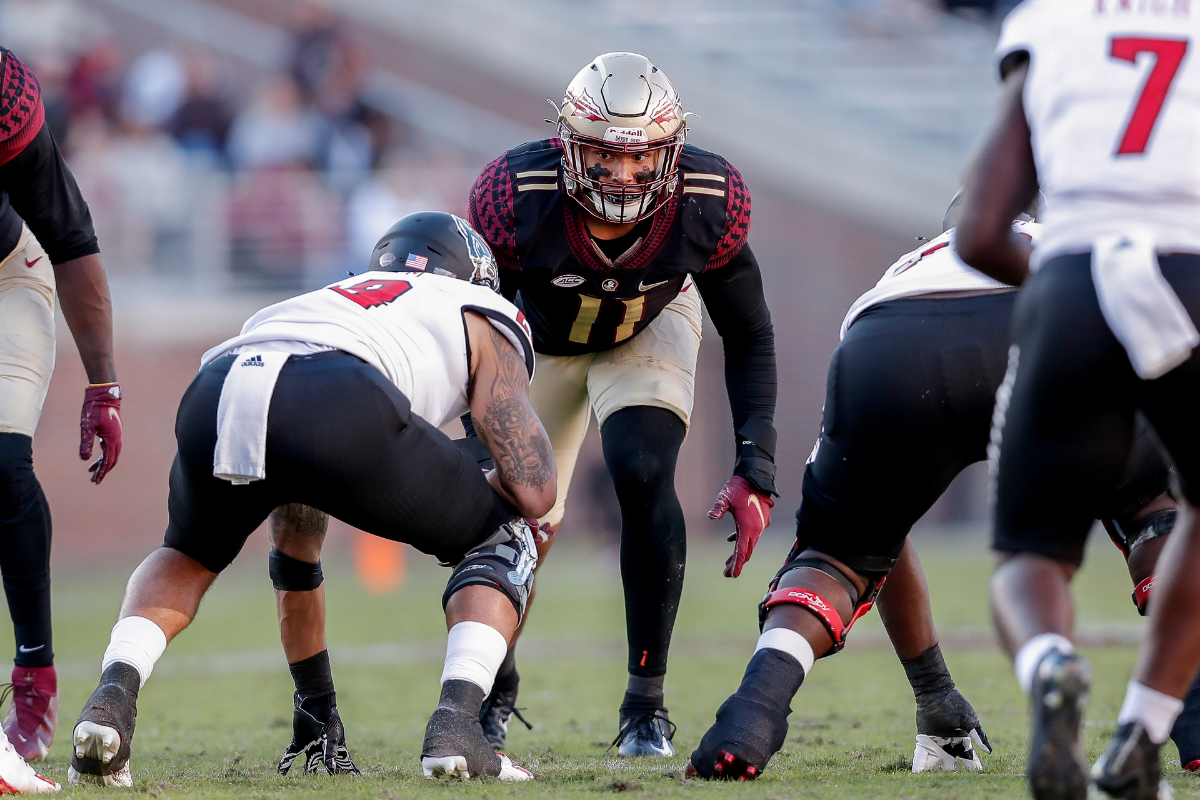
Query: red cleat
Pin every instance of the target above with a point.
(33, 713)
(1192, 766)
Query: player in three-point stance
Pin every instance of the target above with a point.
(608, 237)
(329, 401)
(908, 406)
(48, 248)
(1101, 109)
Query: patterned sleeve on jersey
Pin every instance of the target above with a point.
(21, 109)
(737, 221)
(491, 211)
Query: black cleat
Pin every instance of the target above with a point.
(1129, 768)
(1059, 694)
(948, 731)
(1186, 731)
(644, 733)
(104, 733)
(455, 746)
(321, 743)
(498, 709)
(741, 742)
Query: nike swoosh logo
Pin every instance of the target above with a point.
(25, 649)
(753, 500)
(29, 263)
(644, 288)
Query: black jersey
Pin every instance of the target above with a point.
(35, 184)
(576, 298)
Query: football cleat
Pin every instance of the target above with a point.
(726, 767)
(321, 743)
(1186, 731)
(1129, 768)
(17, 777)
(1059, 694)
(33, 714)
(948, 733)
(455, 747)
(946, 752)
(741, 742)
(645, 734)
(498, 710)
(103, 736)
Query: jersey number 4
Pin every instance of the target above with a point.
(1169, 55)
(373, 293)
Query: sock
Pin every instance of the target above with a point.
(1155, 710)
(462, 695)
(474, 652)
(787, 641)
(507, 677)
(644, 694)
(928, 672)
(25, 551)
(314, 685)
(1032, 653)
(138, 642)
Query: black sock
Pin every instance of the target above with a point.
(461, 696)
(928, 672)
(25, 551)
(641, 446)
(314, 685)
(507, 677)
(643, 694)
(772, 678)
(124, 675)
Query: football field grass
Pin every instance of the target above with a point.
(216, 714)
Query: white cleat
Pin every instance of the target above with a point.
(455, 768)
(945, 753)
(17, 777)
(101, 743)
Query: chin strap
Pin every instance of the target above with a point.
(1141, 594)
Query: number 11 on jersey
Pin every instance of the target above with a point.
(1168, 55)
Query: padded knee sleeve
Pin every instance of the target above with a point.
(504, 562)
(293, 575)
(821, 608)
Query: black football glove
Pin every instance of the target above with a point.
(319, 743)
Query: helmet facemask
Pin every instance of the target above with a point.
(619, 202)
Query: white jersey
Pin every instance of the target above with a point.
(408, 325)
(932, 267)
(1112, 99)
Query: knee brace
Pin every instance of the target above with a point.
(1138, 533)
(819, 606)
(504, 562)
(293, 575)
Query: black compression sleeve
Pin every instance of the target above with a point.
(44, 193)
(734, 298)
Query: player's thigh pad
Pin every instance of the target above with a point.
(908, 405)
(1064, 418)
(26, 336)
(657, 367)
(209, 519)
(559, 397)
(504, 562)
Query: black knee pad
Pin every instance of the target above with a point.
(293, 575)
(505, 562)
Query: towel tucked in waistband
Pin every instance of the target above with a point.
(1140, 307)
(241, 452)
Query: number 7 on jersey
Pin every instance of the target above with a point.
(1169, 55)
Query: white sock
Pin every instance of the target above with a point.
(1032, 653)
(788, 641)
(473, 653)
(1155, 710)
(138, 642)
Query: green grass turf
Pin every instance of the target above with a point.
(216, 715)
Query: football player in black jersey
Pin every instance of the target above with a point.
(48, 249)
(608, 237)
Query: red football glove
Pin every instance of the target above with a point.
(751, 515)
(541, 533)
(101, 416)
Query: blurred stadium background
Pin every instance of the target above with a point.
(237, 151)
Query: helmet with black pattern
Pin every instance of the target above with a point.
(620, 103)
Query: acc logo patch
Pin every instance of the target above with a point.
(569, 281)
(609, 285)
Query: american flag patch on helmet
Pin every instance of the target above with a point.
(415, 261)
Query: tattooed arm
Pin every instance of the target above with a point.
(525, 474)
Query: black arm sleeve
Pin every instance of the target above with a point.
(733, 295)
(44, 193)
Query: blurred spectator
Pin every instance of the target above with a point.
(154, 89)
(201, 123)
(398, 189)
(275, 129)
(94, 83)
